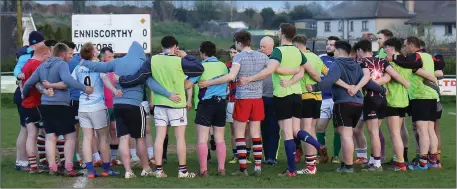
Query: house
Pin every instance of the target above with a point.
(441, 16)
(353, 19)
(306, 24)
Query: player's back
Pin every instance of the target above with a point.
(251, 63)
(94, 101)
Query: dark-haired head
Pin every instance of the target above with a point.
(395, 43)
(168, 42)
(50, 43)
(242, 39)
(364, 45)
(106, 54)
(287, 31)
(342, 49)
(412, 44)
(331, 45)
(207, 49)
(70, 44)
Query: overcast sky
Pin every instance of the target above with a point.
(276, 5)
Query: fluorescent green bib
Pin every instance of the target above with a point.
(397, 96)
(291, 58)
(316, 63)
(418, 89)
(167, 71)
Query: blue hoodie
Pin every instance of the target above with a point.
(128, 65)
(351, 73)
(53, 70)
(74, 61)
(22, 60)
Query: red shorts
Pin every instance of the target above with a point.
(248, 110)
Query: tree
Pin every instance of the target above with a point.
(267, 16)
(58, 35)
(287, 6)
(165, 10)
(181, 14)
(315, 8)
(249, 12)
(278, 19)
(300, 12)
(206, 10)
(78, 6)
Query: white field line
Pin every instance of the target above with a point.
(81, 182)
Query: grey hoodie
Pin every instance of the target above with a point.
(53, 70)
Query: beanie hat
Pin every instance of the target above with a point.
(35, 37)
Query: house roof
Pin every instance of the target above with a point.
(435, 12)
(306, 20)
(365, 9)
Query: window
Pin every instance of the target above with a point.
(351, 26)
(448, 29)
(340, 26)
(313, 26)
(364, 25)
(327, 26)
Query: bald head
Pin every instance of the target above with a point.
(266, 45)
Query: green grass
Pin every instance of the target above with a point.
(326, 177)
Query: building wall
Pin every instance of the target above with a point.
(440, 32)
(389, 23)
(346, 33)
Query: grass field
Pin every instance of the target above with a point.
(326, 177)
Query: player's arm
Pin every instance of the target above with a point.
(309, 69)
(59, 85)
(102, 67)
(395, 75)
(384, 79)
(340, 82)
(297, 77)
(333, 75)
(48, 92)
(138, 78)
(159, 89)
(426, 75)
(287, 71)
(189, 92)
(412, 61)
(108, 84)
(373, 86)
(365, 79)
(272, 66)
(224, 79)
(20, 64)
(64, 73)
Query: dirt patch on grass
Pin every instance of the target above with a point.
(8, 152)
(191, 148)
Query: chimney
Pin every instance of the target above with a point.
(410, 6)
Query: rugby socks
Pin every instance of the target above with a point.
(336, 144)
(41, 140)
(106, 166)
(400, 162)
(423, 160)
(60, 149)
(183, 168)
(202, 150)
(133, 153)
(361, 152)
(321, 138)
(96, 156)
(383, 144)
(377, 161)
(113, 150)
(433, 159)
(32, 161)
(159, 168)
(221, 153)
(257, 152)
(150, 152)
(165, 147)
(405, 154)
(69, 165)
(90, 167)
(346, 165)
(308, 138)
(289, 146)
(241, 151)
(371, 160)
(311, 162)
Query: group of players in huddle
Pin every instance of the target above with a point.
(278, 92)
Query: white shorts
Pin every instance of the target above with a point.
(145, 105)
(94, 120)
(327, 108)
(229, 112)
(170, 116)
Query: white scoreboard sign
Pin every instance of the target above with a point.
(117, 31)
(447, 86)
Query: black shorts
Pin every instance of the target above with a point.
(391, 111)
(74, 105)
(439, 110)
(33, 115)
(211, 112)
(57, 119)
(374, 107)
(130, 120)
(423, 110)
(17, 99)
(346, 114)
(311, 108)
(287, 107)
